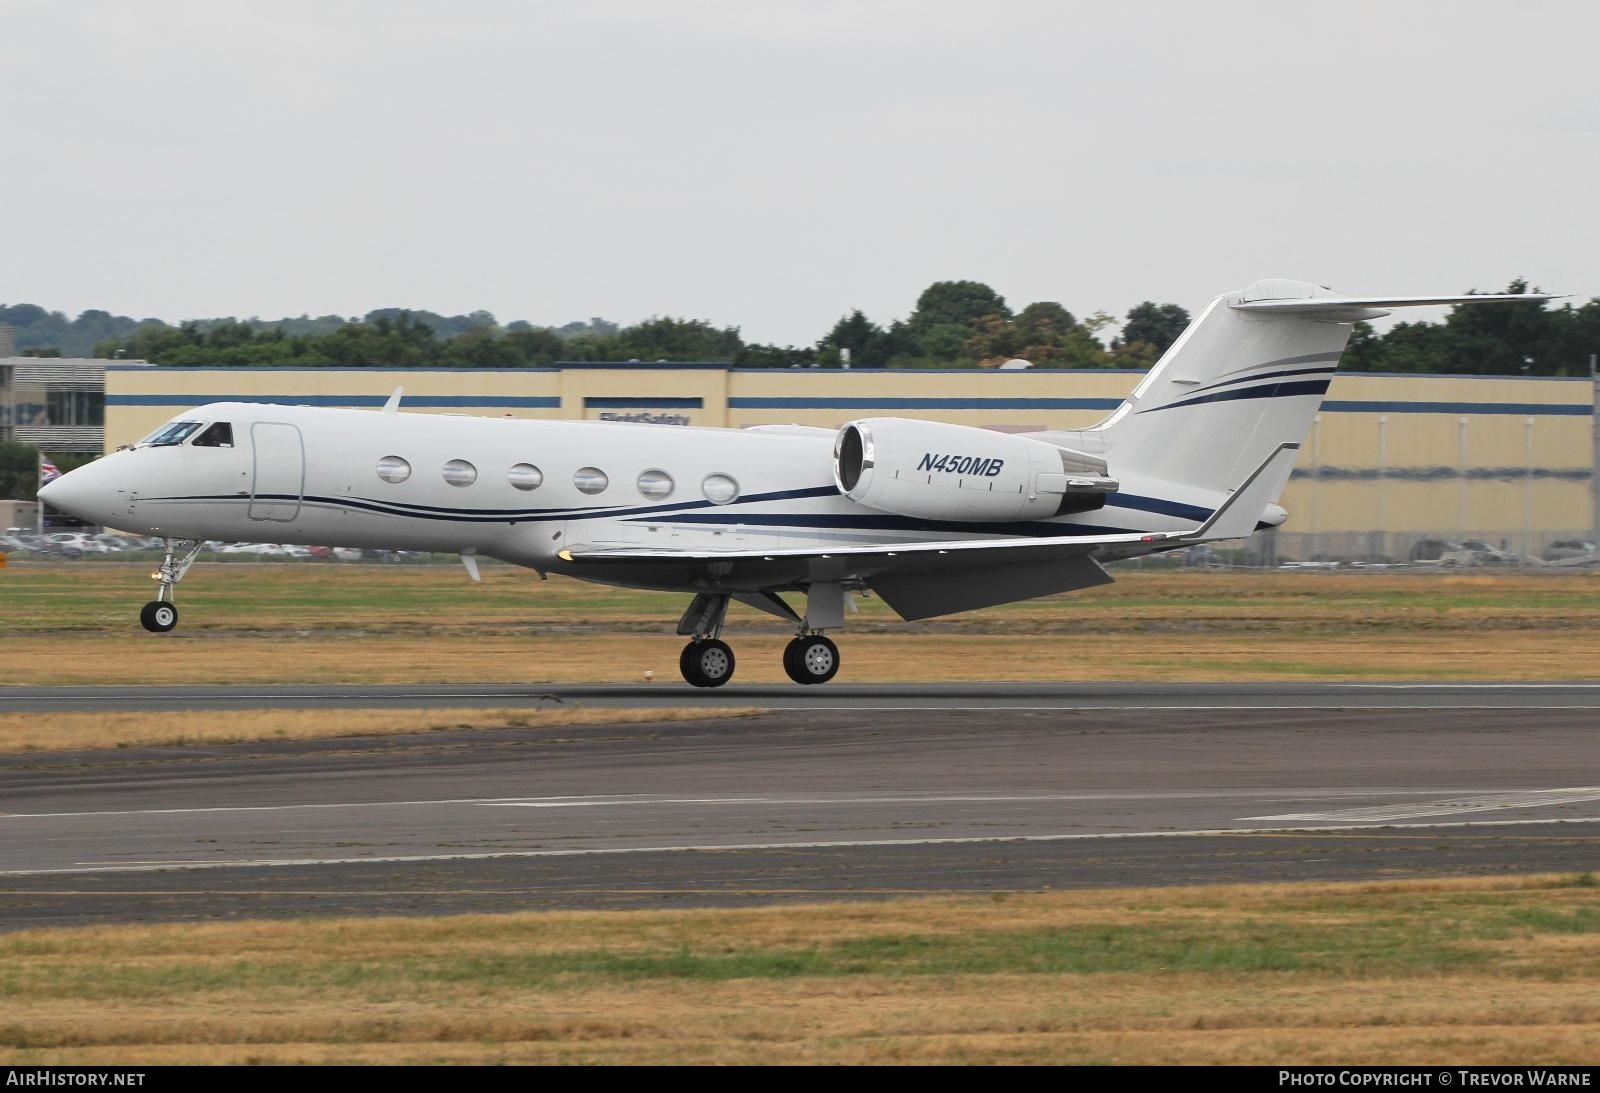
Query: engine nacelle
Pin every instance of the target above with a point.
(933, 471)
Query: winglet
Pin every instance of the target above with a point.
(394, 401)
(1239, 514)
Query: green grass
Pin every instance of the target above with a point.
(1428, 936)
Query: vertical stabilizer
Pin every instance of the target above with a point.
(1244, 381)
(1234, 388)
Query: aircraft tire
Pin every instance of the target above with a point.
(706, 663)
(158, 616)
(811, 660)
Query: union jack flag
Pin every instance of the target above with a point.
(48, 471)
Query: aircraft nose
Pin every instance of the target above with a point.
(80, 493)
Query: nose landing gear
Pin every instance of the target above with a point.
(158, 616)
(161, 614)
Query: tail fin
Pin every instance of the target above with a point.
(1242, 382)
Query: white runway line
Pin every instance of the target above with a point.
(1536, 798)
(270, 863)
(625, 799)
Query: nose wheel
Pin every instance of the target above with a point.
(161, 614)
(158, 616)
(707, 663)
(811, 658)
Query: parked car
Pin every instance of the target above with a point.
(1483, 554)
(72, 544)
(119, 543)
(1433, 551)
(1566, 550)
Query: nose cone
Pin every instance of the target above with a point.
(87, 493)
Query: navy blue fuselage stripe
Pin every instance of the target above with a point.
(1269, 390)
(863, 522)
(886, 522)
(1157, 505)
(437, 512)
(1265, 376)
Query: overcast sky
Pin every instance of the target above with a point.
(773, 165)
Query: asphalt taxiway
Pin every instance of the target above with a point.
(808, 804)
(833, 696)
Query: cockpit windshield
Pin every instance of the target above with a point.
(175, 433)
(220, 435)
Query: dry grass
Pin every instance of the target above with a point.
(69, 731)
(1457, 972)
(67, 624)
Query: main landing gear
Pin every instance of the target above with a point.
(811, 658)
(161, 614)
(707, 661)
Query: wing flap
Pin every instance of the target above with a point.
(924, 595)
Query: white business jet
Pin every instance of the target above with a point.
(933, 518)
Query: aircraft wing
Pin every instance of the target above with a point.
(918, 580)
(959, 551)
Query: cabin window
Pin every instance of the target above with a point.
(458, 472)
(720, 488)
(175, 433)
(656, 484)
(525, 476)
(220, 435)
(590, 480)
(393, 470)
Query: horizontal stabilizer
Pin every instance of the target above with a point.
(1351, 308)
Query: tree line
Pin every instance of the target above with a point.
(955, 324)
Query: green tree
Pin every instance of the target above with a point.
(539, 347)
(19, 469)
(1364, 352)
(1157, 325)
(960, 303)
(787, 356)
(666, 338)
(1045, 322)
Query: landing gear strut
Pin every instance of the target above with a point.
(161, 614)
(706, 661)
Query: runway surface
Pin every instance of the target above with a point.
(833, 696)
(791, 805)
